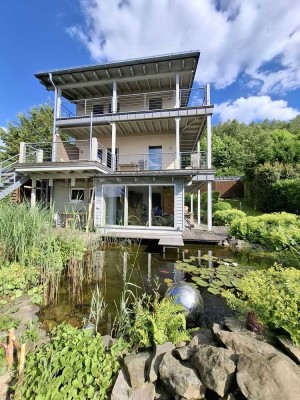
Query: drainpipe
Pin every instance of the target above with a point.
(54, 111)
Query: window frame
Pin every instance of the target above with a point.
(76, 200)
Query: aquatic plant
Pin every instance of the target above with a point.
(274, 296)
(74, 365)
(97, 308)
(221, 275)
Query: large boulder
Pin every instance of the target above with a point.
(180, 378)
(121, 387)
(290, 348)
(202, 336)
(216, 367)
(144, 392)
(136, 366)
(159, 352)
(242, 344)
(267, 377)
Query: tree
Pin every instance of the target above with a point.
(34, 127)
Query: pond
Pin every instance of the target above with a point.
(140, 269)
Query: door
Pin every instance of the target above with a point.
(155, 158)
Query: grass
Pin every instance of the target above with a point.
(243, 205)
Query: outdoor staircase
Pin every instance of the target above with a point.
(9, 179)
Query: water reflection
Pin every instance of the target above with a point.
(111, 270)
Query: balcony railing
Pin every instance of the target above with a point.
(134, 102)
(160, 161)
(85, 150)
(65, 151)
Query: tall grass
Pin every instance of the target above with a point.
(27, 236)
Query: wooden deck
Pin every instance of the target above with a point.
(200, 234)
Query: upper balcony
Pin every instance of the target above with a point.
(134, 103)
(74, 155)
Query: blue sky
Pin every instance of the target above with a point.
(250, 51)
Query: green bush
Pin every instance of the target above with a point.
(215, 198)
(273, 295)
(286, 195)
(221, 206)
(276, 231)
(226, 217)
(74, 365)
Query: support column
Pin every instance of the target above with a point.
(208, 128)
(113, 145)
(177, 91)
(177, 145)
(199, 208)
(209, 206)
(114, 104)
(91, 137)
(33, 193)
(192, 209)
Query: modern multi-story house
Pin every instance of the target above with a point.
(126, 141)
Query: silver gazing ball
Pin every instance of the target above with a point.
(188, 296)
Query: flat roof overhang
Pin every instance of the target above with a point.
(133, 76)
(81, 166)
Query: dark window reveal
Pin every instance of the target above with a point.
(98, 109)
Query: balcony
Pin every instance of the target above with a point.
(78, 152)
(151, 101)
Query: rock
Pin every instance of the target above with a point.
(267, 377)
(161, 393)
(121, 387)
(216, 367)
(242, 344)
(159, 352)
(229, 396)
(190, 297)
(202, 336)
(136, 366)
(180, 344)
(4, 385)
(291, 349)
(107, 341)
(144, 392)
(217, 328)
(180, 378)
(184, 353)
(235, 325)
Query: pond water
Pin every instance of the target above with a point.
(142, 269)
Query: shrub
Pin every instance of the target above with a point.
(74, 365)
(226, 217)
(215, 198)
(274, 296)
(276, 231)
(221, 206)
(286, 195)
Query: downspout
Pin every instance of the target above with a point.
(55, 105)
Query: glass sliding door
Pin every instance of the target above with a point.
(163, 206)
(113, 204)
(138, 205)
(155, 158)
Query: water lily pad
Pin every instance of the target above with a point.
(200, 281)
(214, 290)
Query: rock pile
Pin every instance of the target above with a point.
(225, 363)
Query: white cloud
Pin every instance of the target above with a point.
(255, 108)
(239, 36)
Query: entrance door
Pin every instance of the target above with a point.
(155, 158)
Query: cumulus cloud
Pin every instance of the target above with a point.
(255, 108)
(234, 36)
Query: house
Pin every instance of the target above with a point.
(125, 142)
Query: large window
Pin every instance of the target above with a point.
(113, 204)
(147, 205)
(163, 206)
(138, 205)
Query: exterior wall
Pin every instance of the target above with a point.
(61, 196)
(135, 148)
(178, 202)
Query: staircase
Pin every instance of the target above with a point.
(9, 179)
